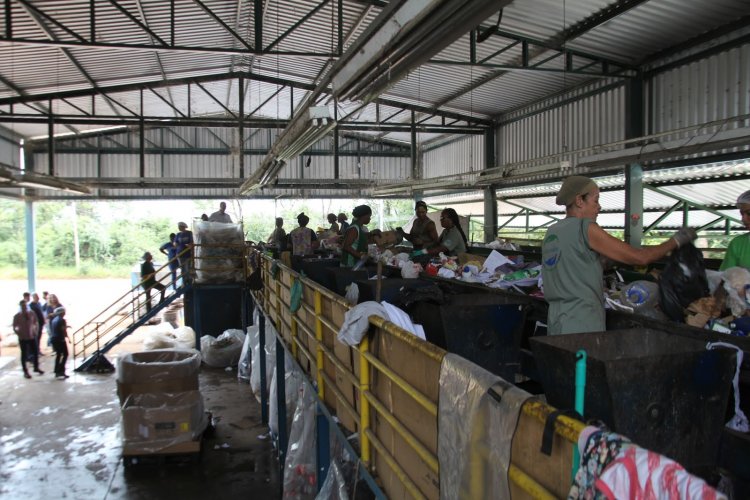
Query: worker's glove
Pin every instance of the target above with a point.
(417, 253)
(400, 230)
(684, 235)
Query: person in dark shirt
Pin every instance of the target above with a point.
(36, 308)
(58, 332)
(183, 241)
(25, 326)
(148, 280)
(170, 251)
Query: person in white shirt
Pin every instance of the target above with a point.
(220, 215)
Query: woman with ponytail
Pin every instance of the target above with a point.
(452, 240)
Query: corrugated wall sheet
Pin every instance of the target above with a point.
(456, 157)
(9, 151)
(598, 119)
(715, 88)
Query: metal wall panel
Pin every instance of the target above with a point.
(715, 88)
(10, 150)
(457, 157)
(587, 122)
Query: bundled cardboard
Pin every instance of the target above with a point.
(161, 422)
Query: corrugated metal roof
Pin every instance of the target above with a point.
(478, 91)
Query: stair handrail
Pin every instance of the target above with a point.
(81, 332)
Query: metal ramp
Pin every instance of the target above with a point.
(120, 319)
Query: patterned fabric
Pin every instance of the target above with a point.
(613, 468)
(302, 238)
(601, 448)
(638, 473)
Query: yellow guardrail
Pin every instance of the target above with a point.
(310, 335)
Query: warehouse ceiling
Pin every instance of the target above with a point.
(87, 72)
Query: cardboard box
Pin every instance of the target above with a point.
(152, 423)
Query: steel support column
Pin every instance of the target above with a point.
(263, 381)
(634, 127)
(490, 201)
(30, 245)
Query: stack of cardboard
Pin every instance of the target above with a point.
(161, 404)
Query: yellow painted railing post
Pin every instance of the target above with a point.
(319, 348)
(293, 326)
(364, 387)
(278, 307)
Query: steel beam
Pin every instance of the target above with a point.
(634, 127)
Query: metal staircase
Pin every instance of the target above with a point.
(120, 319)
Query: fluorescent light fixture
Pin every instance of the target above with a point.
(308, 127)
(270, 174)
(23, 179)
(405, 34)
(460, 181)
(320, 123)
(678, 147)
(493, 175)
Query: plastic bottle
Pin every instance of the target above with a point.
(360, 263)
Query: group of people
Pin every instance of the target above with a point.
(29, 323)
(355, 237)
(178, 251)
(306, 239)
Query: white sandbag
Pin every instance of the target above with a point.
(223, 350)
(185, 336)
(159, 340)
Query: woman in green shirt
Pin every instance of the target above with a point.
(571, 271)
(738, 252)
(356, 237)
(452, 240)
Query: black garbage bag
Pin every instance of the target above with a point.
(682, 282)
(409, 295)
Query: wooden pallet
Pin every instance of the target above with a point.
(187, 452)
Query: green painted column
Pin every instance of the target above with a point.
(634, 127)
(634, 204)
(490, 201)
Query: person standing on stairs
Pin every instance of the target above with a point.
(170, 251)
(183, 243)
(25, 326)
(148, 280)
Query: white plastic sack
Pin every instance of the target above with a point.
(270, 352)
(185, 336)
(334, 486)
(158, 340)
(300, 470)
(244, 366)
(292, 387)
(352, 294)
(223, 350)
(411, 271)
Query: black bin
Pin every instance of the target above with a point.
(342, 277)
(665, 392)
(483, 328)
(389, 288)
(317, 270)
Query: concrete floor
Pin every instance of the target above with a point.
(60, 439)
